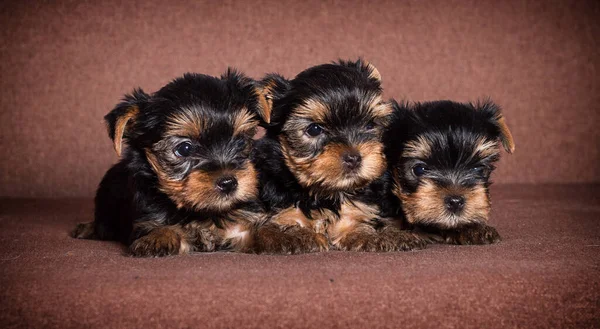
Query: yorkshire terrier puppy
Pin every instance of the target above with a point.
(185, 182)
(322, 157)
(441, 157)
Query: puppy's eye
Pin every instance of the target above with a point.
(370, 126)
(314, 130)
(478, 170)
(184, 149)
(419, 170)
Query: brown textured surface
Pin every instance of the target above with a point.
(64, 64)
(545, 274)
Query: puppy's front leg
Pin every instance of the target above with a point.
(255, 232)
(361, 236)
(360, 228)
(84, 231)
(290, 231)
(271, 238)
(159, 240)
(472, 234)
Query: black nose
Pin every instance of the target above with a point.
(227, 184)
(351, 161)
(455, 203)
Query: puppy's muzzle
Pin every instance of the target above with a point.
(226, 184)
(454, 203)
(351, 161)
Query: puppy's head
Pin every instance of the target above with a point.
(329, 121)
(196, 135)
(441, 155)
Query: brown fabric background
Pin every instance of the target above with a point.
(64, 64)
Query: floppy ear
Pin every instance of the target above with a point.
(272, 87)
(505, 135)
(264, 103)
(499, 122)
(120, 120)
(259, 101)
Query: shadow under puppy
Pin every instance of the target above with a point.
(185, 181)
(322, 157)
(441, 157)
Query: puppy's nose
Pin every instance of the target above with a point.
(227, 184)
(351, 160)
(455, 203)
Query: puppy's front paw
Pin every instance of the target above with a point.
(394, 239)
(274, 239)
(387, 239)
(84, 231)
(479, 234)
(307, 240)
(162, 241)
(362, 241)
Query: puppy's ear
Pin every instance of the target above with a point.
(505, 135)
(259, 102)
(499, 122)
(272, 87)
(373, 71)
(367, 68)
(120, 120)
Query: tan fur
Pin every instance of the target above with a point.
(379, 108)
(244, 122)
(485, 148)
(328, 165)
(351, 216)
(373, 72)
(419, 148)
(161, 241)
(265, 101)
(312, 109)
(186, 123)
(506, 136)
(326, 170)
(238, 236)
(203, 235)
(426, 205)
(373, 160)
(120, 127)
(293, 216)
(397, 187)
(290, 217)
(254, 233)
(356, 230)
(473, 234)
(197, 190)
(477, 204)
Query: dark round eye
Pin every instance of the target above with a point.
(478, 170)
(419, 170)
(314, 130)
(184, 149)
(370, 125)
